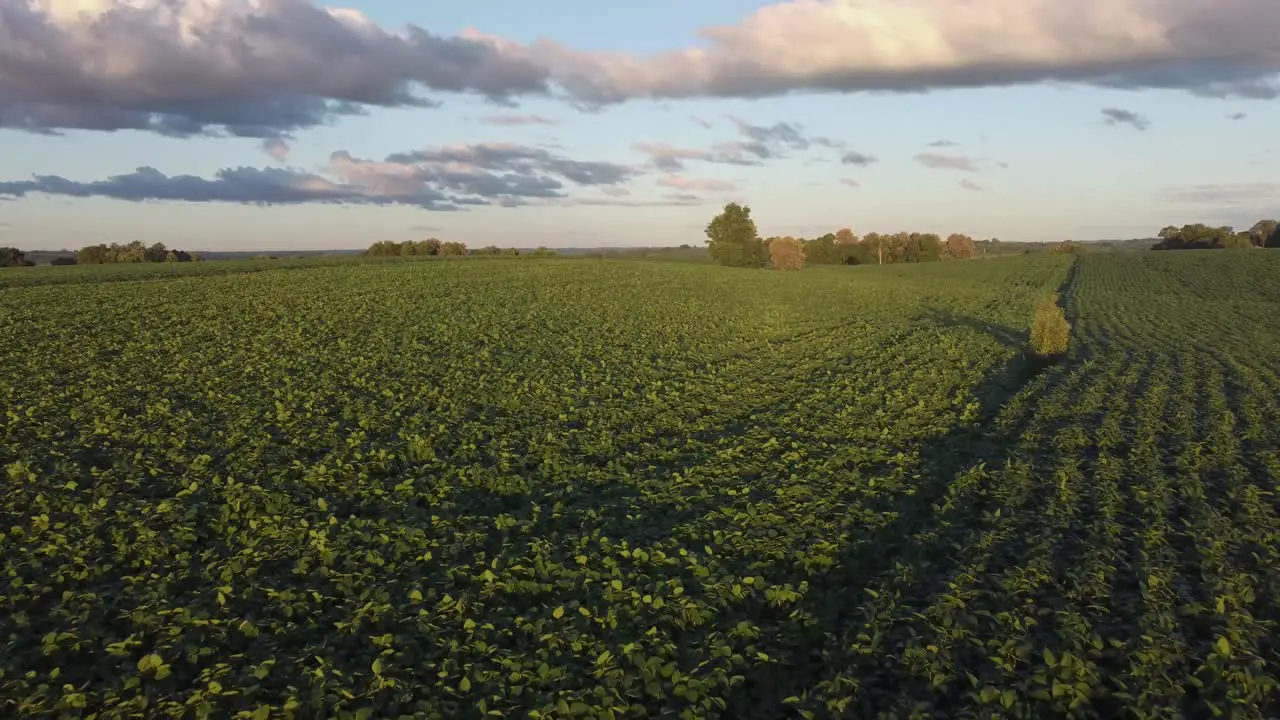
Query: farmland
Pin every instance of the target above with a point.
(606, 488)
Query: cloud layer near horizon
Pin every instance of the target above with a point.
(267, 68)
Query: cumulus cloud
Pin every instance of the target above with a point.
(447, 178)
(946, 161)
(911, 45)
(1118, 116)
(276, 148)
(261, 68)
(854, 157)
(257, 68)
(511, 119)
(678, 182)
(968, 184)
(851, 182)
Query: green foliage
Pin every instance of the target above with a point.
(408, 248)
(1203, 237)
(1068, 247)
(607, 488)
(134, 252)
(13, 257)
(732, 238)
(1050, 330)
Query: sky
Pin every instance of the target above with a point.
(286, 124)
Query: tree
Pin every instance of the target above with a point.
(453, 248)
(958, 247)
(134, 252)
(786, 253)
(13, 257)
(1196, 237)
(1265, 233)
(732, 238)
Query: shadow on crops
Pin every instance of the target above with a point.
(924, 535)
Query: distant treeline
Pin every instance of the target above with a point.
(432, 246)
(134, 252)
(13, 257)
(1264, 233)
(732, 240)
(844, 248)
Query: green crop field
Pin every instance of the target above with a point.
(611, 488)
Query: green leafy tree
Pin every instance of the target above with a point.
(1197, 236)
(1265, 233)
(732, 238)
(13, 257)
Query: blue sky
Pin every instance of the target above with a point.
(1027, 154)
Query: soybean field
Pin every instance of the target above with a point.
(627, 489)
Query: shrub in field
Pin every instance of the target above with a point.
(786, 253)
(1050, 329)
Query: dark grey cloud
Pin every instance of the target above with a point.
(758, 143)
(448, 178)
(1118, 116)
(276, 148)
(772, 141)
(946, 161)
(253, 186)
(853, 157)
(182, 67)
(520, 160)
(1237, 116)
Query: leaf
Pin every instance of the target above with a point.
(465, 684)
(1223, 646)
(148, 663)
(558, 612)
(416, 596)
(1049, 658)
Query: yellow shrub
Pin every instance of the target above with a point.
(786, 253)
(1050, 329)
